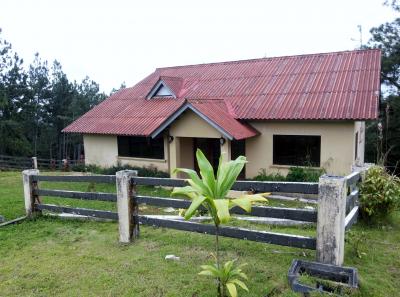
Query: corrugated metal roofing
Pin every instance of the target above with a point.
(329, 86)
(217, 112)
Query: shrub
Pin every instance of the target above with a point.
(304, 174)
(379, 193)
(142, 171)
(78, 167)
(263, 176)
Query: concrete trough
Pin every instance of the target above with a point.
(344, 277)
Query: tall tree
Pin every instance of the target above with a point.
(39, 95)
(12, 97)
(383, 139)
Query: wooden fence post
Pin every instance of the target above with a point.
(34, 163)
(331, 219)
(29, 186)
(127, 206)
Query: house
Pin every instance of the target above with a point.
(306, 110)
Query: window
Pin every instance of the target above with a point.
(141, 147)
(238, 148)
(297, 150)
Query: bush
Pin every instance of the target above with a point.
(303, 174)
(379, 193)
(142, 171)
(295, 174)
(263, 176)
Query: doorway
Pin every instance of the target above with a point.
(211, 149)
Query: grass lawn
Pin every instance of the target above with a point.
(53, 257)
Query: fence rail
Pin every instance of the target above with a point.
(255, 186)
(337, 208)
(15, 162)
(296, 214)
(110, 179)
(232, 232)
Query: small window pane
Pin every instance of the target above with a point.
(297, 150)
(238, 148)
(141, 147)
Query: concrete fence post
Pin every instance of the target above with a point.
(331, 219)
(29, 185)
(65, 164)
(128, 208)
(34, 163)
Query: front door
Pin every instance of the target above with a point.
(210, 148)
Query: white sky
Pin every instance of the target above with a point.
(116, 41)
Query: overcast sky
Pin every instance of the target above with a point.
(115, 41)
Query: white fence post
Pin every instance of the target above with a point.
(29, 186)
(331, 219)
(34, 163)
(127, 206)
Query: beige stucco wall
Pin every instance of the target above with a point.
(191, 125)
(337, 145)
(187, 154)
(102, 150)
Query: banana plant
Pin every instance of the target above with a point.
(210, 191)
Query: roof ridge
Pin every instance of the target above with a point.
(270, 58)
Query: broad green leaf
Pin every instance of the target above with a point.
(243, 203)
(256, 197)
(227, 268)
(231, 289)
(240, 284)
(228, 175)
(222, 206)
(215, 272)
(194, 180)
(206, 273)
(206, 171)
(183, 191)
(196, 202)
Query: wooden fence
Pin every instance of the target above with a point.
(330, 233)
(12, 162)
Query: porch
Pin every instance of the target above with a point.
(182, 152)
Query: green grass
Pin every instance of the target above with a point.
(54, 257)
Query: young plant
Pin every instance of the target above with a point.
(211, 191)
(379, 193)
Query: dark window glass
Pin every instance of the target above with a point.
(141, 147)
(238, 148)
(297, 150)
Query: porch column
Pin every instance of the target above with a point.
(226, 150)
(174, 156)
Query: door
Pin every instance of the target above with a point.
(210, 148)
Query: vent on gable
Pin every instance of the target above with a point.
(161, 90)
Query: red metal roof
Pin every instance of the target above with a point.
(217, 112)
(329, 86)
